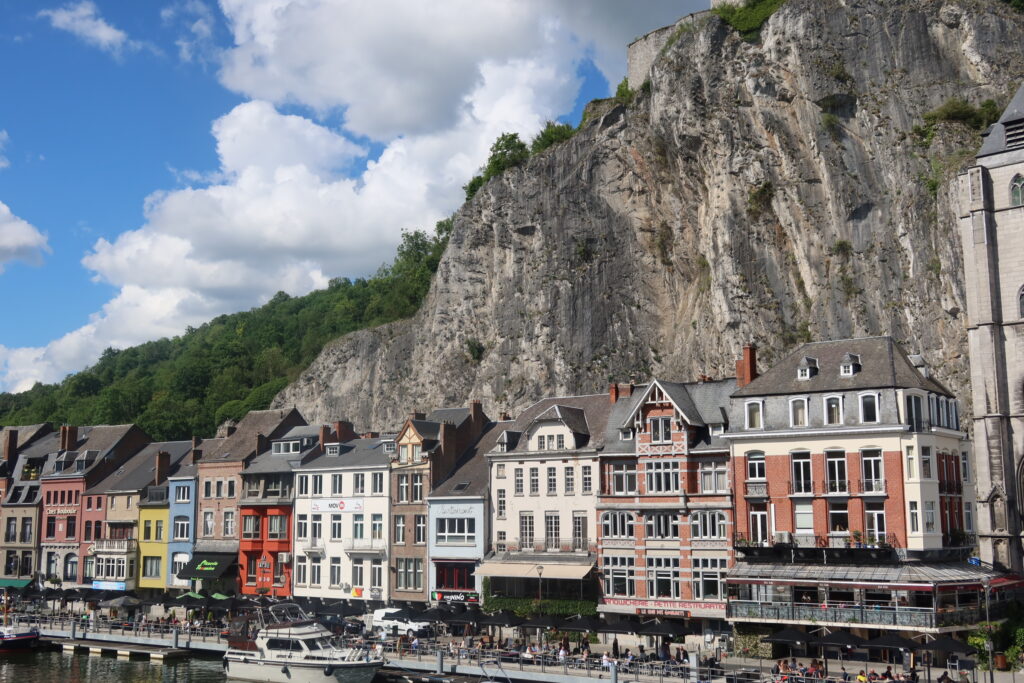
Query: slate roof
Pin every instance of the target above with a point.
(995, 136)
(455, 416)
(353, 454)
(93, 443)
(472, 468)
(43, 451)
(242, 443)
(572, 417)
(883, 364)
(590, 410)
(138, 471)
(26, 434)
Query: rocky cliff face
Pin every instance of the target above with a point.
(769, 192)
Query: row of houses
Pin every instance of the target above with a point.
(836, 488)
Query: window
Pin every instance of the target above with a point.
(552, 530)
(182, 529)
(208, 523)
(874, 523)
(755, 466)
(220, 488)
(336, 483)
(358, 526)
(229, 523)
(541, 441)
(399, 528)
(314, 572)
(318, 487)
(335, 571)
(71, 524)
(87, 533)
(182, 494)
(798, 412)
(929, 516)
(914, 524)
(663, 577)
(231, 488)
(526, 529)
(316, 528)
(838, 518)
(803, 518)
(151, 567)
(336, 525)
(501, 503)
(377, 526)
(301, 526)
(456, 530)
(403, 453)
(552, 481)
(300, 571)
(872, 478)
(417, 488)
(926, 462)
(359, 484)
(403, 488)
(250, 526)
(752, 411)
(409, 573)
(910, 462)
(619, 576)
(915, 413)
(965, 466)
(560, 441)
(417, 453)
(207, 488)
(377, 482)
(835, 471)
(376, 574)
(534, 481)
(421, 529)
(518, 481)
(708, 524)
(713, 477)
(802, 473)
(303, 485)
(661, 429)
(1017, 190)
(833, 410)
(803, 373)
(457, 576)
(588, 482)
(662, 477)
(579, 531)
(623, 478)
(617, 525)
(499, 471)
(147, 530)
(969, 517)
(277, 527)
(569, 481)
(869, 408)
(709, 578)
(501, 541)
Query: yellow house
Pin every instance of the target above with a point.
(154, 530)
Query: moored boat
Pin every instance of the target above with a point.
(281, 643)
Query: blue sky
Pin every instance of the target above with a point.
(161, 163)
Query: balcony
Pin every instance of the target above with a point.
(801, 488)
(564, 545)
(156, 495)
(836, 487)
(871, 487)
(951, 488)
(755, 489)
(114, 545)
(377, 546)
(314, 547)
(869, 616)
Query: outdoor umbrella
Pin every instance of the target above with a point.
(544, 622)
(625, 625)
(434, 615)
(582, 624)
(947, 644)
(838, 639)
(674, 629)
(470, 616)
(73, 594)
(123, 601)
(404, 614)
(502, 618)
(891, 641)
(787, 636)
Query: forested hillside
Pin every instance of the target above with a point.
(174, 388)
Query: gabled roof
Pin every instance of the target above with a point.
(883, 364)
(241, 444)
(572, 417)
(675, 392)
(92, 445)
(139, 471)
(594, 408)
(995, 137)
(469, 478)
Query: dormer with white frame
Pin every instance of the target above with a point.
(664, 414)
(556, 429)
(807, 368)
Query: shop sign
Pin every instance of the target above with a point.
(667, 606)
(337, 505)
(62, 511)
(109, 585)
(455, 596)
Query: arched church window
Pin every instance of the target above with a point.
(1017, 190)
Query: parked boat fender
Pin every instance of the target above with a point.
(328, 671)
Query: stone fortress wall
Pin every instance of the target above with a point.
(642, 52)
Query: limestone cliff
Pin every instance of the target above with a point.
(765, 191)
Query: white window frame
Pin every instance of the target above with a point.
(792, 404)
(760, 414)
(657, 425)
(824, 410)
(860, 405)
(803, 373)
(846, 370)
(618, 524)
(756, 456)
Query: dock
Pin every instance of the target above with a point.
(122, 650)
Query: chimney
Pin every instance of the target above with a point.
(68, 437)
(417, 416)
(195, 442)
(325, 436)
(11, 449)
(613, 392)
(504, 417)
(197, 455)
(344, 432)
(476, 412)
(746, 367)
(163, 465)
(370, 435)
(262, 443)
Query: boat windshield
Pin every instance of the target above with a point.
(315, 644)
(286, 613)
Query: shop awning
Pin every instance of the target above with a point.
(522, 570)
(14, 583)
(208, 566)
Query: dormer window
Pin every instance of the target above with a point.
(625, 435)
(333, 449)
(389, 446)
(803, 373)
(846, 370)
(661, 429)
(849, 365)
(752, 412)
(807, 368)
(717, 429)
(285, 447)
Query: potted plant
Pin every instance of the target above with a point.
(858, 538)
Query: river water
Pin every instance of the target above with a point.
(45, 666)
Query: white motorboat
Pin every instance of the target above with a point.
(281, 643)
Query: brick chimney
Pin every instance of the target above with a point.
(344, 432)
(325, 436)
(11, 449)
(504, 417)
(613, 392)
(746, 367)
(370, 435)
(415, 415)
(477, 418)
(163, 466)
(262, 443)
(68, 437)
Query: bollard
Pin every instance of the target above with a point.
(174, 632)
(73, 629)
(613, 668)
(440, 662)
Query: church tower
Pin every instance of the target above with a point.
(992, 232)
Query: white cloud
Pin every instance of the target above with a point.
(20, 240)
(435, 83)
(83, 20)
(4, 138)
(197, 22)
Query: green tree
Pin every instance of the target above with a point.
(551, 134)
(507, 152)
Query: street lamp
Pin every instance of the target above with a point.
(540, 585)
(989, 647)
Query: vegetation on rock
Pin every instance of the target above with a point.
(748, 17)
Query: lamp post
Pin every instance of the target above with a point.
(540, 596)
(989, 647)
